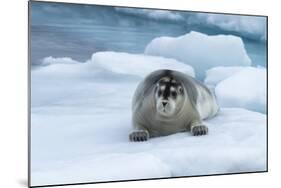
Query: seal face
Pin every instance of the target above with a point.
(168, 102)
(168, 96)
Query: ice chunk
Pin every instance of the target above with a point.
(63, 76)
(201, 51)
(60, 60)
(217, 74)
(253, 27)
(137, 64)
(246, 89)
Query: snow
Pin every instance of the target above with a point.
(246, 89)
(81, 118)
(201, 51)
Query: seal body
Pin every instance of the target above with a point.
(168, 102)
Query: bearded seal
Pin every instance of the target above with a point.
(168, 102)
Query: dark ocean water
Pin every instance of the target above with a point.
(79, 42)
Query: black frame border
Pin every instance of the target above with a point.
(130, 180)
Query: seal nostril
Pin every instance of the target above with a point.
(164, 103)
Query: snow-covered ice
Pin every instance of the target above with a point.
(245, 88)
(85, 147)
(138, 64)
(81, 118)
(217, 74)
(201, 51)
(59, 75)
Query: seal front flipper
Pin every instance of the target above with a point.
(198, 129)
(139, 136)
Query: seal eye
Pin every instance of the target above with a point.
(180, 90)
(174, 94)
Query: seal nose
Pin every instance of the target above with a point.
(164, 103)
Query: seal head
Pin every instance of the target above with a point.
(169, 96)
